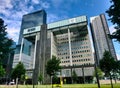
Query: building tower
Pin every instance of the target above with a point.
(31, 46)
(70, 42)
(100, 32)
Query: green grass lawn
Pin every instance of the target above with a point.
(64, 86)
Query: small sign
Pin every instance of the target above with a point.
(73, 20)
(30, 30)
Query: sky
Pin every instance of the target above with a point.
(11, 11)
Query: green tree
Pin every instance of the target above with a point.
(116, 34)
(52, 67)
(2, 71)
(40, 78)
(55, 79)
(107, 64)
(18, 71)
(74, 77)
(118, 66)
(5, 42)
(5, 46)
(116, 70)
(23, 79)
(114, 14)
(100, 73)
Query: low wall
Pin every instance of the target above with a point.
(108, 81)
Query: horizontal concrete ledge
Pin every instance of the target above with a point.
(108, 81)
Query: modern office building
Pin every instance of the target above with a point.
(31, 45)
(68, 40)
(100, 32)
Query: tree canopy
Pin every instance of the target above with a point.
(107, 63)
(53, 65)
(114, 14)
(5, 42)
(74, 76)
(5, 46)
(18, 71)
(2, 71)
(100, 73)
(40, 78)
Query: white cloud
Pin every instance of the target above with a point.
(31, 8)
(13, 28)
(13, 33)
(26, 1)
(5, 12)
(112, 29)
(42, 4)
(18, 15)
(13, 10)
(57, 3)
(5, 4)
(118, 56)
(52, 18)
(35, 1)
(45, 4)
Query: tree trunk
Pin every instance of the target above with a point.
(83, 75)
(16, 82)
(111, 81)
(115, 80)
(114, 75)
(51, 77)
(96, 74)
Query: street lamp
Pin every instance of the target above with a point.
(0, 57)
(1, 54)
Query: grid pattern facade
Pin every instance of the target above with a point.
(100, 32)
(68, 40)
(80, 49)
(71, 44)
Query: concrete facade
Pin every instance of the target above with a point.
(100, 32)
(31, 46)
(68, 40)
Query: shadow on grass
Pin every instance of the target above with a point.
(63, 86)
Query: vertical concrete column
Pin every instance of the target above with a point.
(21, 49)
(83, 74)
(51, 44)
(36, 38)
(69, 40)
(40, 61)
(42, 57)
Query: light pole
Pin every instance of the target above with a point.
(83, 74)
(0, 57)
(0, 62)
(33, 78)
(52, 80)
(71, 75)
(96, 73)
